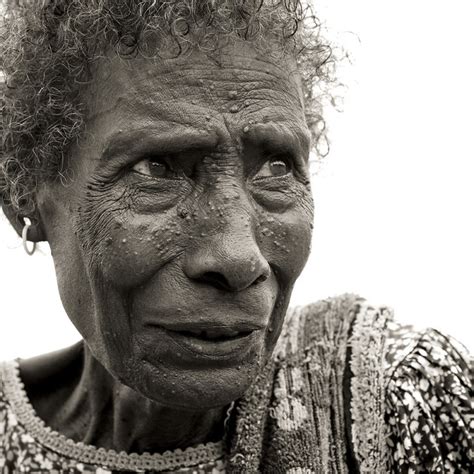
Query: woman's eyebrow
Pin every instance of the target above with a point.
(278, 136)
(144, 140)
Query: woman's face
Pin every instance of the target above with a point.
(187, 221)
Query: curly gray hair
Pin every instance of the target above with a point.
(49, 47)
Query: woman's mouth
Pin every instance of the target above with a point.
(224, 345)
(215, 335)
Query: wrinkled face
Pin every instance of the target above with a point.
(187, 222)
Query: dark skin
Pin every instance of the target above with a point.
(176, 246)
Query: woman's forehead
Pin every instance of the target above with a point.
(234, 74)
(195, 93)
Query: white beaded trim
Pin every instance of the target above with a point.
(14, 390)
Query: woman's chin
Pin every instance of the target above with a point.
(196, 390)
(198, 379)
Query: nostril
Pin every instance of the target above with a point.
(219, 281)
(260, 279)
(215, 279)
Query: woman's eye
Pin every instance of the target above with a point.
(154, 167)
(274, 168)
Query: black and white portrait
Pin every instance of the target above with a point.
(236, 236)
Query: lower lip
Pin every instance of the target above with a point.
(232, 349)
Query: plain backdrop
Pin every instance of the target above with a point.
(394, 198)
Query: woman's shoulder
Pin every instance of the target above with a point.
(346, 321)
(410, 391)
(11, 397)
(6, 370)
(407, 346)
(429, 401)
(3, 400)
(374, 325)
(11, 433)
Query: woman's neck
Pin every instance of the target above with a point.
(73, 393)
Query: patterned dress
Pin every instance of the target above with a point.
(348, 390)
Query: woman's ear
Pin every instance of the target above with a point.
(35, 232)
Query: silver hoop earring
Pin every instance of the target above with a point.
(24, 235)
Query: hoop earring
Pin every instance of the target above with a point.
(24, 235)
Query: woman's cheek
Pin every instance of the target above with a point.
(130, 231)
(134, 252)
(285, 238)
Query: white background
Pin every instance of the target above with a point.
(394, 199)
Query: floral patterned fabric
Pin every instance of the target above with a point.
(428, 415)
(28, 445)
(20, 452)
(429, 403)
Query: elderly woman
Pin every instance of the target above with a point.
(161, 149)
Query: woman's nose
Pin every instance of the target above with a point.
(230, 262)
